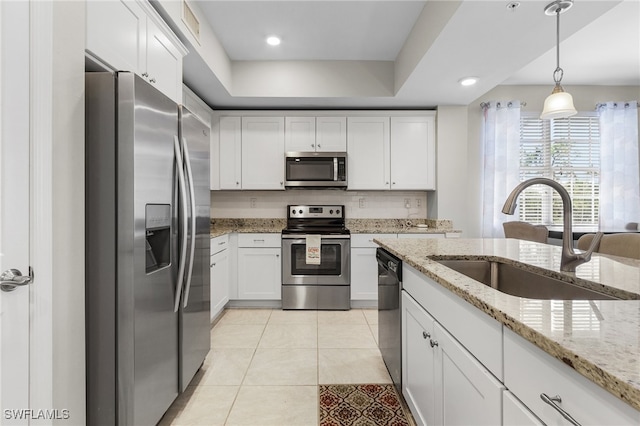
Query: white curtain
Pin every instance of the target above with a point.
(501, 145)
(619, 171)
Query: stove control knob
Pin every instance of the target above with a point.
(338, 211)
(293, 212)
(330, 211)
(300, 211)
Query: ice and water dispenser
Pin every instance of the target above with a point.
(158, 236)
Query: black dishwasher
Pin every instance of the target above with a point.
(389, 313)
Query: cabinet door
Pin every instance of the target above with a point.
(331, 134)
(413, 151)
(469, 393)
(418, 375)
(259, 273)
(364, 274)
(219, 282)
(163, 63)
(116, 32)
(299, 134)
(368, 153)
(230, 153)
(263, 153)
(515, 413)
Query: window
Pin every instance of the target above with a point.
(567, 151)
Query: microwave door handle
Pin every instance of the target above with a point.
(182, 215)
(187, 162)
(335, 168)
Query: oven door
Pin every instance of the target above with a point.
(334, 267)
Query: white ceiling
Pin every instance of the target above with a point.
(419, 50)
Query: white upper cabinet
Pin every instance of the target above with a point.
(300, 134)
(321, 134)
(262, 153)
(230, 165)
(368, 151)
(413, 150)
(131, 36)
(331, 134)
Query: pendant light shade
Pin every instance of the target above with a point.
(559, 104)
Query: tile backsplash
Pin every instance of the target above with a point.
(358, 204)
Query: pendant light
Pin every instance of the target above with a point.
(559, 104)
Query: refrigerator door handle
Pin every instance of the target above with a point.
(192, 196)
(183, 216)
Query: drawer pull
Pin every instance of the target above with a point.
(258, 241)
(552, 402)
(222, 243)
(433, 342)
(425, 335)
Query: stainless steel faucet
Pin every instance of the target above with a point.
(570, 259)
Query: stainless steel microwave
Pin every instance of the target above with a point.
(316, 170)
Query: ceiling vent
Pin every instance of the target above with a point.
(190, 19)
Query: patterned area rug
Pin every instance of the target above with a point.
(361, 405)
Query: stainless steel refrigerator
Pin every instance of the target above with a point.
(147, 249)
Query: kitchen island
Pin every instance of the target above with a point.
(600, 340)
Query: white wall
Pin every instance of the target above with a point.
(585, 99)
(450, 200)
(272, 204)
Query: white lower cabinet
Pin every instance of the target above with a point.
(442, 382)
(516, 413)
(364, 268)
(219, 274)
(530, 372)
(259, 267)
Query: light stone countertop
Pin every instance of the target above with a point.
(601, 340)
(356, 226)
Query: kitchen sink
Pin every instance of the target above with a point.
(515, 281)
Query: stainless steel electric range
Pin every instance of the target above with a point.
(323, 281)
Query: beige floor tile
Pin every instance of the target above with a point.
(293, 317)
(224, 367)
(245, 316)
(341, 366)
(345, 336)
(290, 336)
(354, 316)
(283, 367)
(275, 406)
(371, 315)
(236, 336)
(201, 405)
(374, 331)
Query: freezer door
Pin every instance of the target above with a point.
(147, 322)
(195, 340)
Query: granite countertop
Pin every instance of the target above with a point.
(356, 226)
(600, 340)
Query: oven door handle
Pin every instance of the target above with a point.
(322, 236)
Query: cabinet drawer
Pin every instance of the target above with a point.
(219, 243)
(366, 240)
(529, 372)
(259, 240)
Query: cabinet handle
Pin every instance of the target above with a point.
(258, 241)
(425, 335)
(145, 74)
(281, 183)
(237, 183)
(318, 145)
(221, 243)
(312, 146)
(433, 342)
(552, 402)
(393, 183)
(386, 183)
(153, 80)
(277, 255)
(212, 265)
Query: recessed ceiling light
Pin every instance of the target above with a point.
(273, 40)
(468, 81)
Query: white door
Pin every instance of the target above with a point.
(368, 153)
(14, 210)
